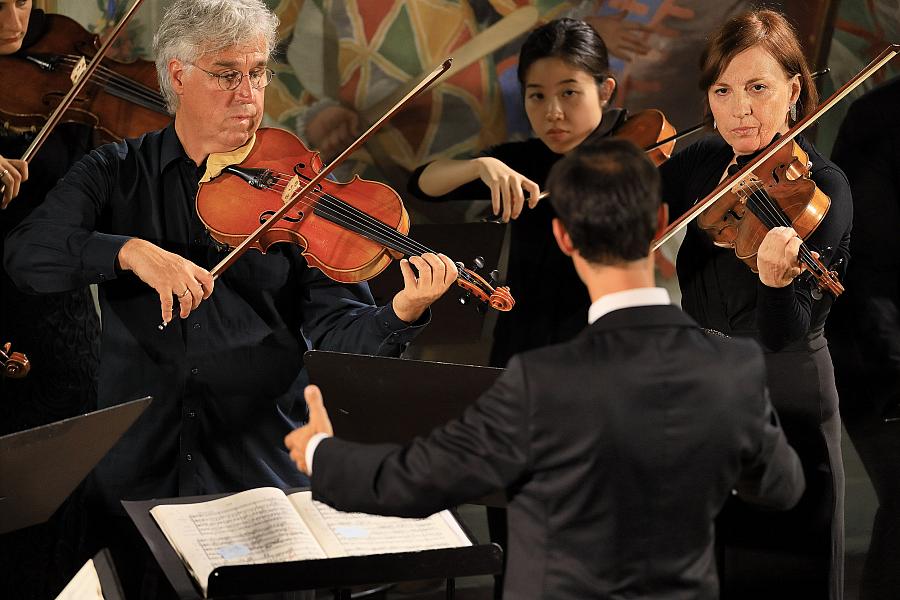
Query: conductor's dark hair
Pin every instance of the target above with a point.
(574, 42)
(607, 196)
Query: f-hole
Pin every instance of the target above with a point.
(266, 215)
(298, 171)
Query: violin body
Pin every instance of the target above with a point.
(350, 231)
(740, 219)
(122, 99)
(227, 203)
(646, 128)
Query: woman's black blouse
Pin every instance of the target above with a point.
(551, 301)
(719, 290)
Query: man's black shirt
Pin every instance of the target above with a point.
(227, 381)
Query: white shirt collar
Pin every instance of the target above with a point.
(649, 296)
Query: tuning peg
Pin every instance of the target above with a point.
(478, 263)
(495, 276)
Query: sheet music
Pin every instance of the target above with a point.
(84, 586)
(356, 534)
(256, 526)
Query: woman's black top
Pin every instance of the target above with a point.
(719, 290)
(551, 301)
(58, 332)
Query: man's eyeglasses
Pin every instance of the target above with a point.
(231, 80)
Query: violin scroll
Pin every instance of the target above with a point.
(497, 297)
(15, 364)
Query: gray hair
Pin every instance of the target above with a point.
(191, 28)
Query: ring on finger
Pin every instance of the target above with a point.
(184, 293)
(4, 173)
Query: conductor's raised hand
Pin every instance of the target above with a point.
(508, 188)
(436, 273)
(297, 440)
(171, 275)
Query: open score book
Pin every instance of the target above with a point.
(264, 525)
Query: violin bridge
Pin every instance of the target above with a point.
(78, 70)
(292, 187)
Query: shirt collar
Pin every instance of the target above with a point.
(648, 296)
(172, 149)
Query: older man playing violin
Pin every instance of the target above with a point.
(227, 372)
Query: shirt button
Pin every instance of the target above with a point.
(188, 457)
(195, 371)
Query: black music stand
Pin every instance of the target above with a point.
(40, 467)
(330, 573)
(376, 399)
(451, 322)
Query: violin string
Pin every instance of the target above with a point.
(132, 90)
(776, 217)
(761, 204)
(342, 208)
(111, 75)
(335, 207)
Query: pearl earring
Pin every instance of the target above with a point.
(794, 112)
(714, 124)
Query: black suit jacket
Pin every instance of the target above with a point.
(616, 450)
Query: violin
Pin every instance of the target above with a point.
(651, 131)
(15, 364)
(350, 231)
(647, 129)
(120, 100)
(784, 196)
(771, 190)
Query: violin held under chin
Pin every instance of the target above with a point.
(350, 231)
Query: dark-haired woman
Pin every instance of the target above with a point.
(564, 73)
(758, 84)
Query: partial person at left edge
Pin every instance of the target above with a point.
(59, 332)
(226, 374)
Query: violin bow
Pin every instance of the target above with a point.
(239, 250)
(886, 55)
(504, 31)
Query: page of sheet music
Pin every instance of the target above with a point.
(256, 526)
(84, 586)
(356, 534)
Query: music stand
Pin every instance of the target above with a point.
(334, 573)
(40, 467)
(376, 399)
